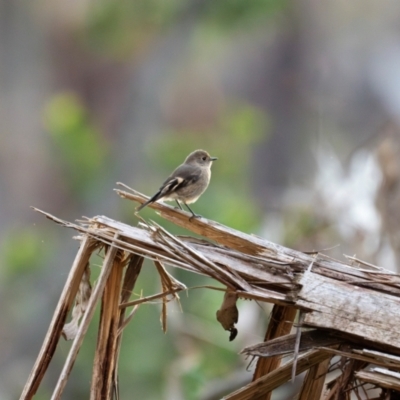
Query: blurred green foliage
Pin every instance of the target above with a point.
(119, 28)
(234, 14)
(193, 382)
(79, 144)
(24, 251)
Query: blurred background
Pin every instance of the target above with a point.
(299, 100)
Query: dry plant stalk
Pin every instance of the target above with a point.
(105, 356)
(280, 324)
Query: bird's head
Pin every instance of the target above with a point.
(201, 158)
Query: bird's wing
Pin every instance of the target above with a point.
(183, 176)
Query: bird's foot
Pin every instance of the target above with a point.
(194, 216)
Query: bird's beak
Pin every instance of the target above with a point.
(213, 158)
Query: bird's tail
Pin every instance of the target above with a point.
(151, 200)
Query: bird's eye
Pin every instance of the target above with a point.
(204, 158)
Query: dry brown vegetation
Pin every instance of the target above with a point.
(348, 313)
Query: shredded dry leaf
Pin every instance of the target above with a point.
(85, 289)
(228, 314)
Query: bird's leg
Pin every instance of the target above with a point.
(193, 214)
(179, 204)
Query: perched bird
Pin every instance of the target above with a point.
(187, 183)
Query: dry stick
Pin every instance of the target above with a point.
(256, 390)
(87, 317)
(167, 282)
(103, 365)
(280, 324)
(203, 269)
(126, 321)
(114, 337)
(359, 357)
(314, 381)
(297, 344)
(131, 274)
(354, 389)
(299, 326)
(242, 283)
(343, 381)
(162, 294)
(167, 278)
(163, 317)
(60, 314)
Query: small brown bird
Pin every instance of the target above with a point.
(187, 183)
